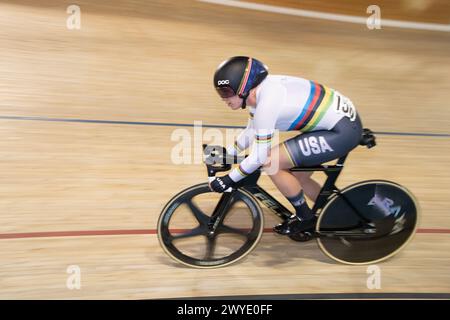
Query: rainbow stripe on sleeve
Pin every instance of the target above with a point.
(264, 139)
(242, 172)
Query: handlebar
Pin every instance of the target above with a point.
(217, 160)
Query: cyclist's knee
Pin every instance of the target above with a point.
(276, 161)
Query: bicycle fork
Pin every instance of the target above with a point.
(219, 212)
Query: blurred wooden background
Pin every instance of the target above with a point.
(146, 66)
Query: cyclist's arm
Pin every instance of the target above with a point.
(243, 141)
(264, 129)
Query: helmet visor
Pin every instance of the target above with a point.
(225, 92)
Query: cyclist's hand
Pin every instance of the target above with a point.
(221, 184)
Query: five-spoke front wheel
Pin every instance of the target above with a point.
(189, 235)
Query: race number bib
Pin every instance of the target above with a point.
(346, 108)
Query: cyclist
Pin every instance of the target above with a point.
(329, 124)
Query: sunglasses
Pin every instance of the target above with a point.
(225, 92)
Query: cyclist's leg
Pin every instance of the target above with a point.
(310, 186)
(310, 149)
(288, 184)
(284, 179)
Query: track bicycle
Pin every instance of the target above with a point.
(364, 223)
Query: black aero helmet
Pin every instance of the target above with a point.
(238, 75)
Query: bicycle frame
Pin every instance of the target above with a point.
(328, 188)
(250, 184)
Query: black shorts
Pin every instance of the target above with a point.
(313, 148)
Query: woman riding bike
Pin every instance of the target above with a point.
(329, 124)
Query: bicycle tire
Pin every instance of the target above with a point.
(348, 238)
(166, 238)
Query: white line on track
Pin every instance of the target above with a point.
(330, 16)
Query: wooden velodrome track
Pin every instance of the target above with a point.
(89, 193)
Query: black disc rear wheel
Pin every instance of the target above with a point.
(367, 222)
